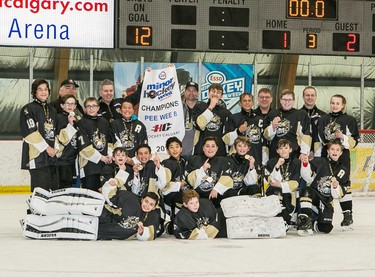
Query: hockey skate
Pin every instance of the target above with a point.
(347, 222)
(304, 226)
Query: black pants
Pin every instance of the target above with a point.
(45, 177)
(67, 176)
(91, 182)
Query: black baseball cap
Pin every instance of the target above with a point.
(69, 82)
(192, 84)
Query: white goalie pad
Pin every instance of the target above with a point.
(255, 227)
(73, 227)
(66, 201)
(245, 205)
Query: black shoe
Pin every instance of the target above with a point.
(347, 222)
(304, 225)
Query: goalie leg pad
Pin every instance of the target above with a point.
(244, 205)
(66, 201)
(255, 227)
(73, 227)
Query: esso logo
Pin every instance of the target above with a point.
(216, 77)
(162, 75)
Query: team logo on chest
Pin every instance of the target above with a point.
(49, 132)
(324, 186)
(237, 179)
(254, 134)
(208, 182)
(99, 140)
(330, 130)
(127, 139)
(283, 127)
(214, 124)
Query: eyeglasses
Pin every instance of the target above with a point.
(264, 97)
(91, 106)
(287, 100)
(70, 104)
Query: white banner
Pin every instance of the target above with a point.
(65, 23)
(160, 107)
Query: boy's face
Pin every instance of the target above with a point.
(247, 103)
(42, 93)
(284, 151)
(69, 105)
(127, 110)
(119, 158)
(334, 152)
(210, 148)
(92, 108)
(143, 155)
(287, 102)
(192, 205)
(148, 204)
(215, 93)
(242, 148)
(174, 150)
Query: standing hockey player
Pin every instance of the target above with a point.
(339, 125)
(38, 129)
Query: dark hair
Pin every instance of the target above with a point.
(335, 142)
(143, 145)
(91, 99)
(66, 97)
(265, 90)
(127, 101)
(216, 86)
(189, 194)
(153, 196)
(120, 149)
(210, 138)
(36, 84)
(283, 142)
(173, 139)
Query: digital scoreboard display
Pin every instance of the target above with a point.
(317, 27)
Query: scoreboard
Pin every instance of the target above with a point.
(318, 27)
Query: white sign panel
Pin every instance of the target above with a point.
(64, 23)
(160, 107)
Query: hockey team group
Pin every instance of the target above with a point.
(257, 173)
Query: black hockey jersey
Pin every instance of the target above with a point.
(129, 134)
(209, 123)
(38, 129)
(294, 126)
(67, 137)
(111, 111)
(254, 132)
(187, 224)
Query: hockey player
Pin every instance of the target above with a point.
(127, 216)
(67, 137)
(94, 145)
(149, 175)
(38, 129)
(328, 179)
(210, 119)
(288, 123)
(118, 173)
(197, 219)
(243, 169)
(175, 165)
(247, 123)
(284, 177)
(129, 131)
(339, 125)
(209, 174)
